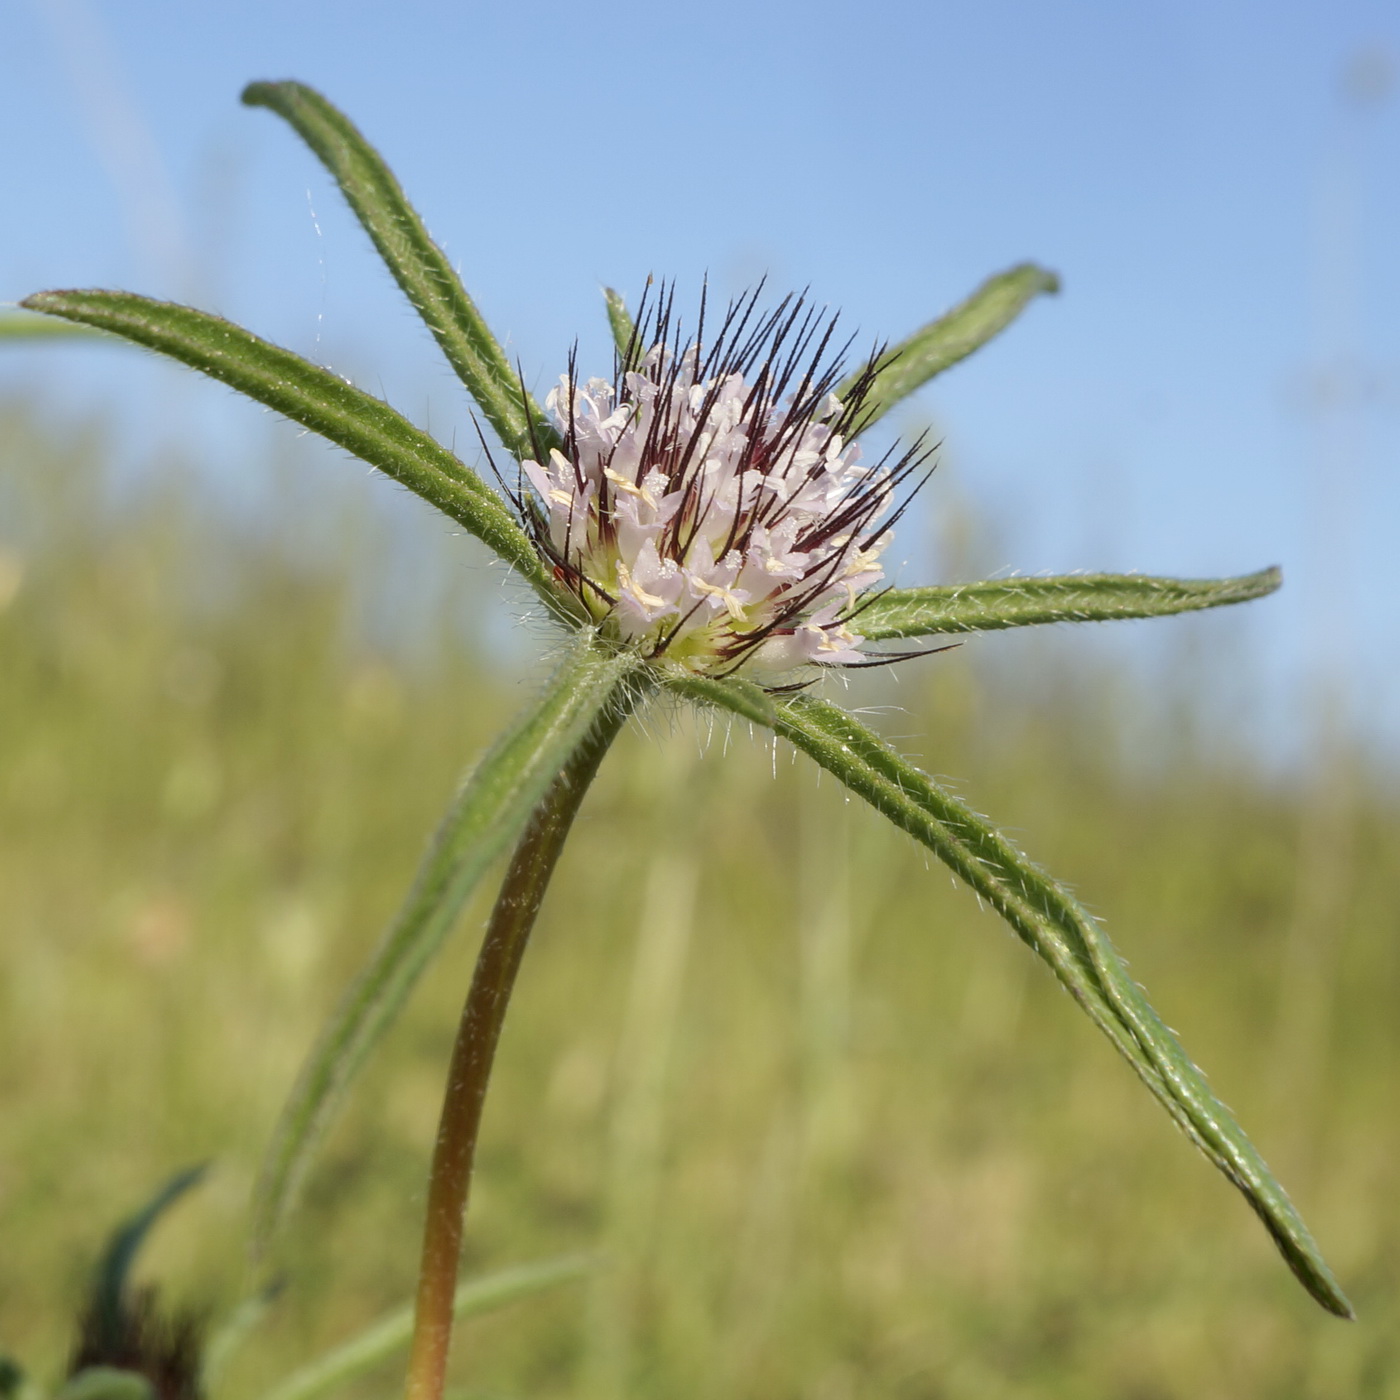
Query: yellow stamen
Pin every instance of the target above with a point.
(629, 585)
(715, 590)
(631, 488)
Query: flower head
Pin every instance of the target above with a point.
(708, 505)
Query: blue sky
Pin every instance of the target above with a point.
(1218, 387)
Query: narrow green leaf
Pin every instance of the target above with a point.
(591, 690)
(379, 1341)
(315, 398)
(1025, 602)
(1057, 927)
(23, 325)
(623, 328)
(953, 336)
(419, 266)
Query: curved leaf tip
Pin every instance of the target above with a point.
(423, 271)
(952, 337)
(264, 93)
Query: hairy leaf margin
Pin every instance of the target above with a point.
(993, 604)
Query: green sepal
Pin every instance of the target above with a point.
(952, 337)
(1026, 602)
(592, 689)
(418, 265)
(317, 399)
(1058, 928)
(624, 329)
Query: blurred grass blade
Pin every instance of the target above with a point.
(227, 1339)
(624, 329)
(952, 337)
(114, 1268)
(1053, 923)
(23, 325)
(315, 398)
(591, 688)
(1026, 602)
(392, 1334)
(419, 266)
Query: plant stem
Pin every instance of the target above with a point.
(507, 933)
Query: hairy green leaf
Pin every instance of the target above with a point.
(392, 1333)
(418, 265)
(1024, 602)
(952, 337)
(1057, 927)
(592, 691)
(315, 398)
(743, 697)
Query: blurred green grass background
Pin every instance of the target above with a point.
(837, 1132)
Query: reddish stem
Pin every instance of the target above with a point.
(513, 917)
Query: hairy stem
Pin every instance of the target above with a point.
(449, 1184)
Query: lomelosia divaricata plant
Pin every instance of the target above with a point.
(702, 525)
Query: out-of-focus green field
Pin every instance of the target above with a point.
(839, 1134)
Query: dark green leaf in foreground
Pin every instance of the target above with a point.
(1054, 924)
(12, 1377)
(113, 1272)
(419, 266)
(1026, 602)
(952, 337)
(391, 1334)
(315, 398)
(591, 691)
